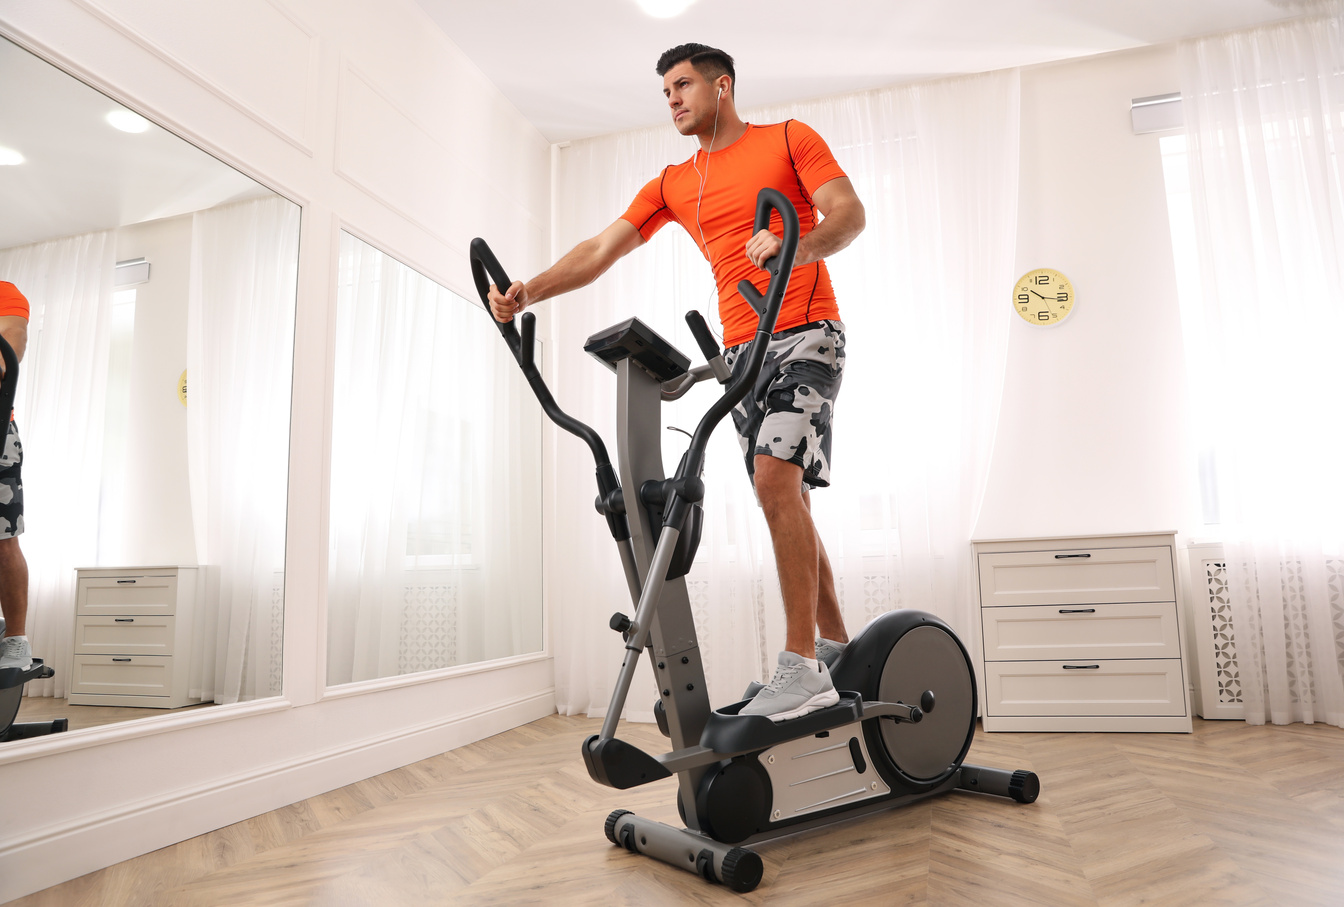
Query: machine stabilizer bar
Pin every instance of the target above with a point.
(1020, 785)
(737, 867)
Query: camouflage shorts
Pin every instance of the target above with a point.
(788, 413)
(11, 485)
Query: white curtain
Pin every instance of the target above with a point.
(59, 410)
(921, 292)
(1264, 113)
(240, 342)
(434, 556)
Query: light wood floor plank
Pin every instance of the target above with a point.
(1230, 814)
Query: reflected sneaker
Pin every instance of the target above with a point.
(795, 690)
(15, 653)
(828, 650)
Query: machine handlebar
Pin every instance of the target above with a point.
(10, 383)
(780, 268)
(485, 267)
(773, 200)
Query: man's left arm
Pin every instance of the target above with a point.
(843, 218)
(14, 328)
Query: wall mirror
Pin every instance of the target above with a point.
(153, 403)
(435, 543)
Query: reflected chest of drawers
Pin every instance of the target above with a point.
(133, 630)
(1081, 634)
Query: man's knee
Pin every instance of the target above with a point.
(9, 549)
(779, 483)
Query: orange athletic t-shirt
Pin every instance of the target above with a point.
(787, 156)
(12, 302)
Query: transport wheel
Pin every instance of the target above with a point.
(742, 869)
(611, 824)
(928, 658)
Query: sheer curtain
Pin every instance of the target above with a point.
(434, 556)
(1263, 113)
(59, 409)
(240, 345)
(920, 291)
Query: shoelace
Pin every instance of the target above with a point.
(784, 674)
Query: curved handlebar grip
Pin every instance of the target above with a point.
(486, 269)
(747, 368)
(773, 200)
(779, 267)
(708, 345)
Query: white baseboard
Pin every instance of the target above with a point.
(56, 854)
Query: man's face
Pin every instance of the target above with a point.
(691, 98)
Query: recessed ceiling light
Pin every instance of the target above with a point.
(8, 157)
(127, 121)
(664, 9)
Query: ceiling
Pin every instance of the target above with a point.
(82, 175)
(577, 68)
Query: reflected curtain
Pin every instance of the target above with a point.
(921, 292)
(59, 408)
(434, 550)
(1264, 114)
(240, 342)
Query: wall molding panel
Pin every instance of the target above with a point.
(389, 154)
(272, 78)
(297, 94)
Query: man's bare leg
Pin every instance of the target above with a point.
(779, 485)
(830, 622)
(13, 587)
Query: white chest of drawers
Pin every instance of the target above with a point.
(133, 629)
(1082, 634)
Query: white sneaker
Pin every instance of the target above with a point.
(828, 650)
(15, 653)
(795, 690)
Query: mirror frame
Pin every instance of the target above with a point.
(151, 724)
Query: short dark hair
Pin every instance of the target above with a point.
(710, 62)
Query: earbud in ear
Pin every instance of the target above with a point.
(720, 92)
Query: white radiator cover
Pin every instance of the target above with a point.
(1216, 679)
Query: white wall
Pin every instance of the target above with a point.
(368, 117)
(1092, 435)
(157, 527)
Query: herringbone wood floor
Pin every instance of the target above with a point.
(1230, 814)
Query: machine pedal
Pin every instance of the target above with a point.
(728, 732)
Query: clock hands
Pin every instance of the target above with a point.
(1038, 294)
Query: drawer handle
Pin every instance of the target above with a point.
(1082, 667)
(122, 582)
(121, 659)
(131, 620)
(1060, 557)
(1077, 610)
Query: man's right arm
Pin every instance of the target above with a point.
(579, 267)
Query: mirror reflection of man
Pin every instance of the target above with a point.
(14, 649)
(785, 423)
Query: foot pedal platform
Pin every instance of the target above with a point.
(728, 732)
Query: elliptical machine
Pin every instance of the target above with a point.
(908, 704)
(13, 679)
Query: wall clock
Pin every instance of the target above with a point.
(1043, 297)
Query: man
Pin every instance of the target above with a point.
(784, 424)
(14, 649)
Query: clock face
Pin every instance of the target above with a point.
(1043, 297)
